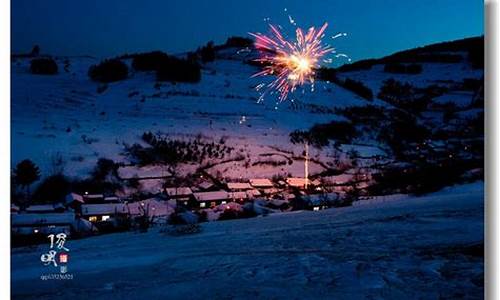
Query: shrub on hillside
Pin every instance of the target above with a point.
(239, 42)
(320, 134)
(207, 52)
(354, 86)
(109, 70)
(52, 189)
(178, 70)
(358, 88)
(150, 61)
(43, 66)
(402, 68)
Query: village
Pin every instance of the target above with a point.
(83, 215)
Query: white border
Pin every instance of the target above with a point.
(492, 137)
(5, 149)
(491, 159)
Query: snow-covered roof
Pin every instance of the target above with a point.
(253, 193)
(72, 197)
(42, 219)
(178, 191)
(41, 208)
(261, 182)
(210, 196)
(296, 181)
(238, 186)
(152, 171)
(14, 207)
(238, 195)
(205, 185)
(93, 196)
(111, 198)
(104, 209)
(270, 191)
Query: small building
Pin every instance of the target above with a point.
(42, 223)
(93, 198)
(181, 195)
(74, 201)
(238, 186)
(102, 212)
(238, 196)
(320, 201)
(211, 199)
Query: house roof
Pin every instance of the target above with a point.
(104, 209)
(211, 196)
(253, 193)
(297, 181)
(238, 186)
(73, 197)
(205, 185)
(93, 196)
(238, 195)
(41, 208)
(178, 191)
(42, 219)
(261, 182)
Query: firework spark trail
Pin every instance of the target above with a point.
(292, 61)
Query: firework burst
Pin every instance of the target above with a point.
(293, 61)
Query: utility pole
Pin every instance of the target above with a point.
(306, 166)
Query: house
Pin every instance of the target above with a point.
(14, 208)
(261, 183)
(42, 223)
(320, 201)
(238, 186)
(211, 199)
(181, 195)
(102, 212)
(74, 201)
(152, 207)
(93, 198)
(238, 196)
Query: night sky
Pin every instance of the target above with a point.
(107, 28)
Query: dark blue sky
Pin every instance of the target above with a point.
(112, 27)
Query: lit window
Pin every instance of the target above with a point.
(224, 202)
(104, 218)
(35, 231)
(93, 219)
(203, 204)
(316, 208)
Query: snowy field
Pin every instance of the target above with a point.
(66, 116)
(396, 248)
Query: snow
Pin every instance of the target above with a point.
(413, 248)
(129, 172)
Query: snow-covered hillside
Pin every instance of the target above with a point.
(407, 248)
(70, 117)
